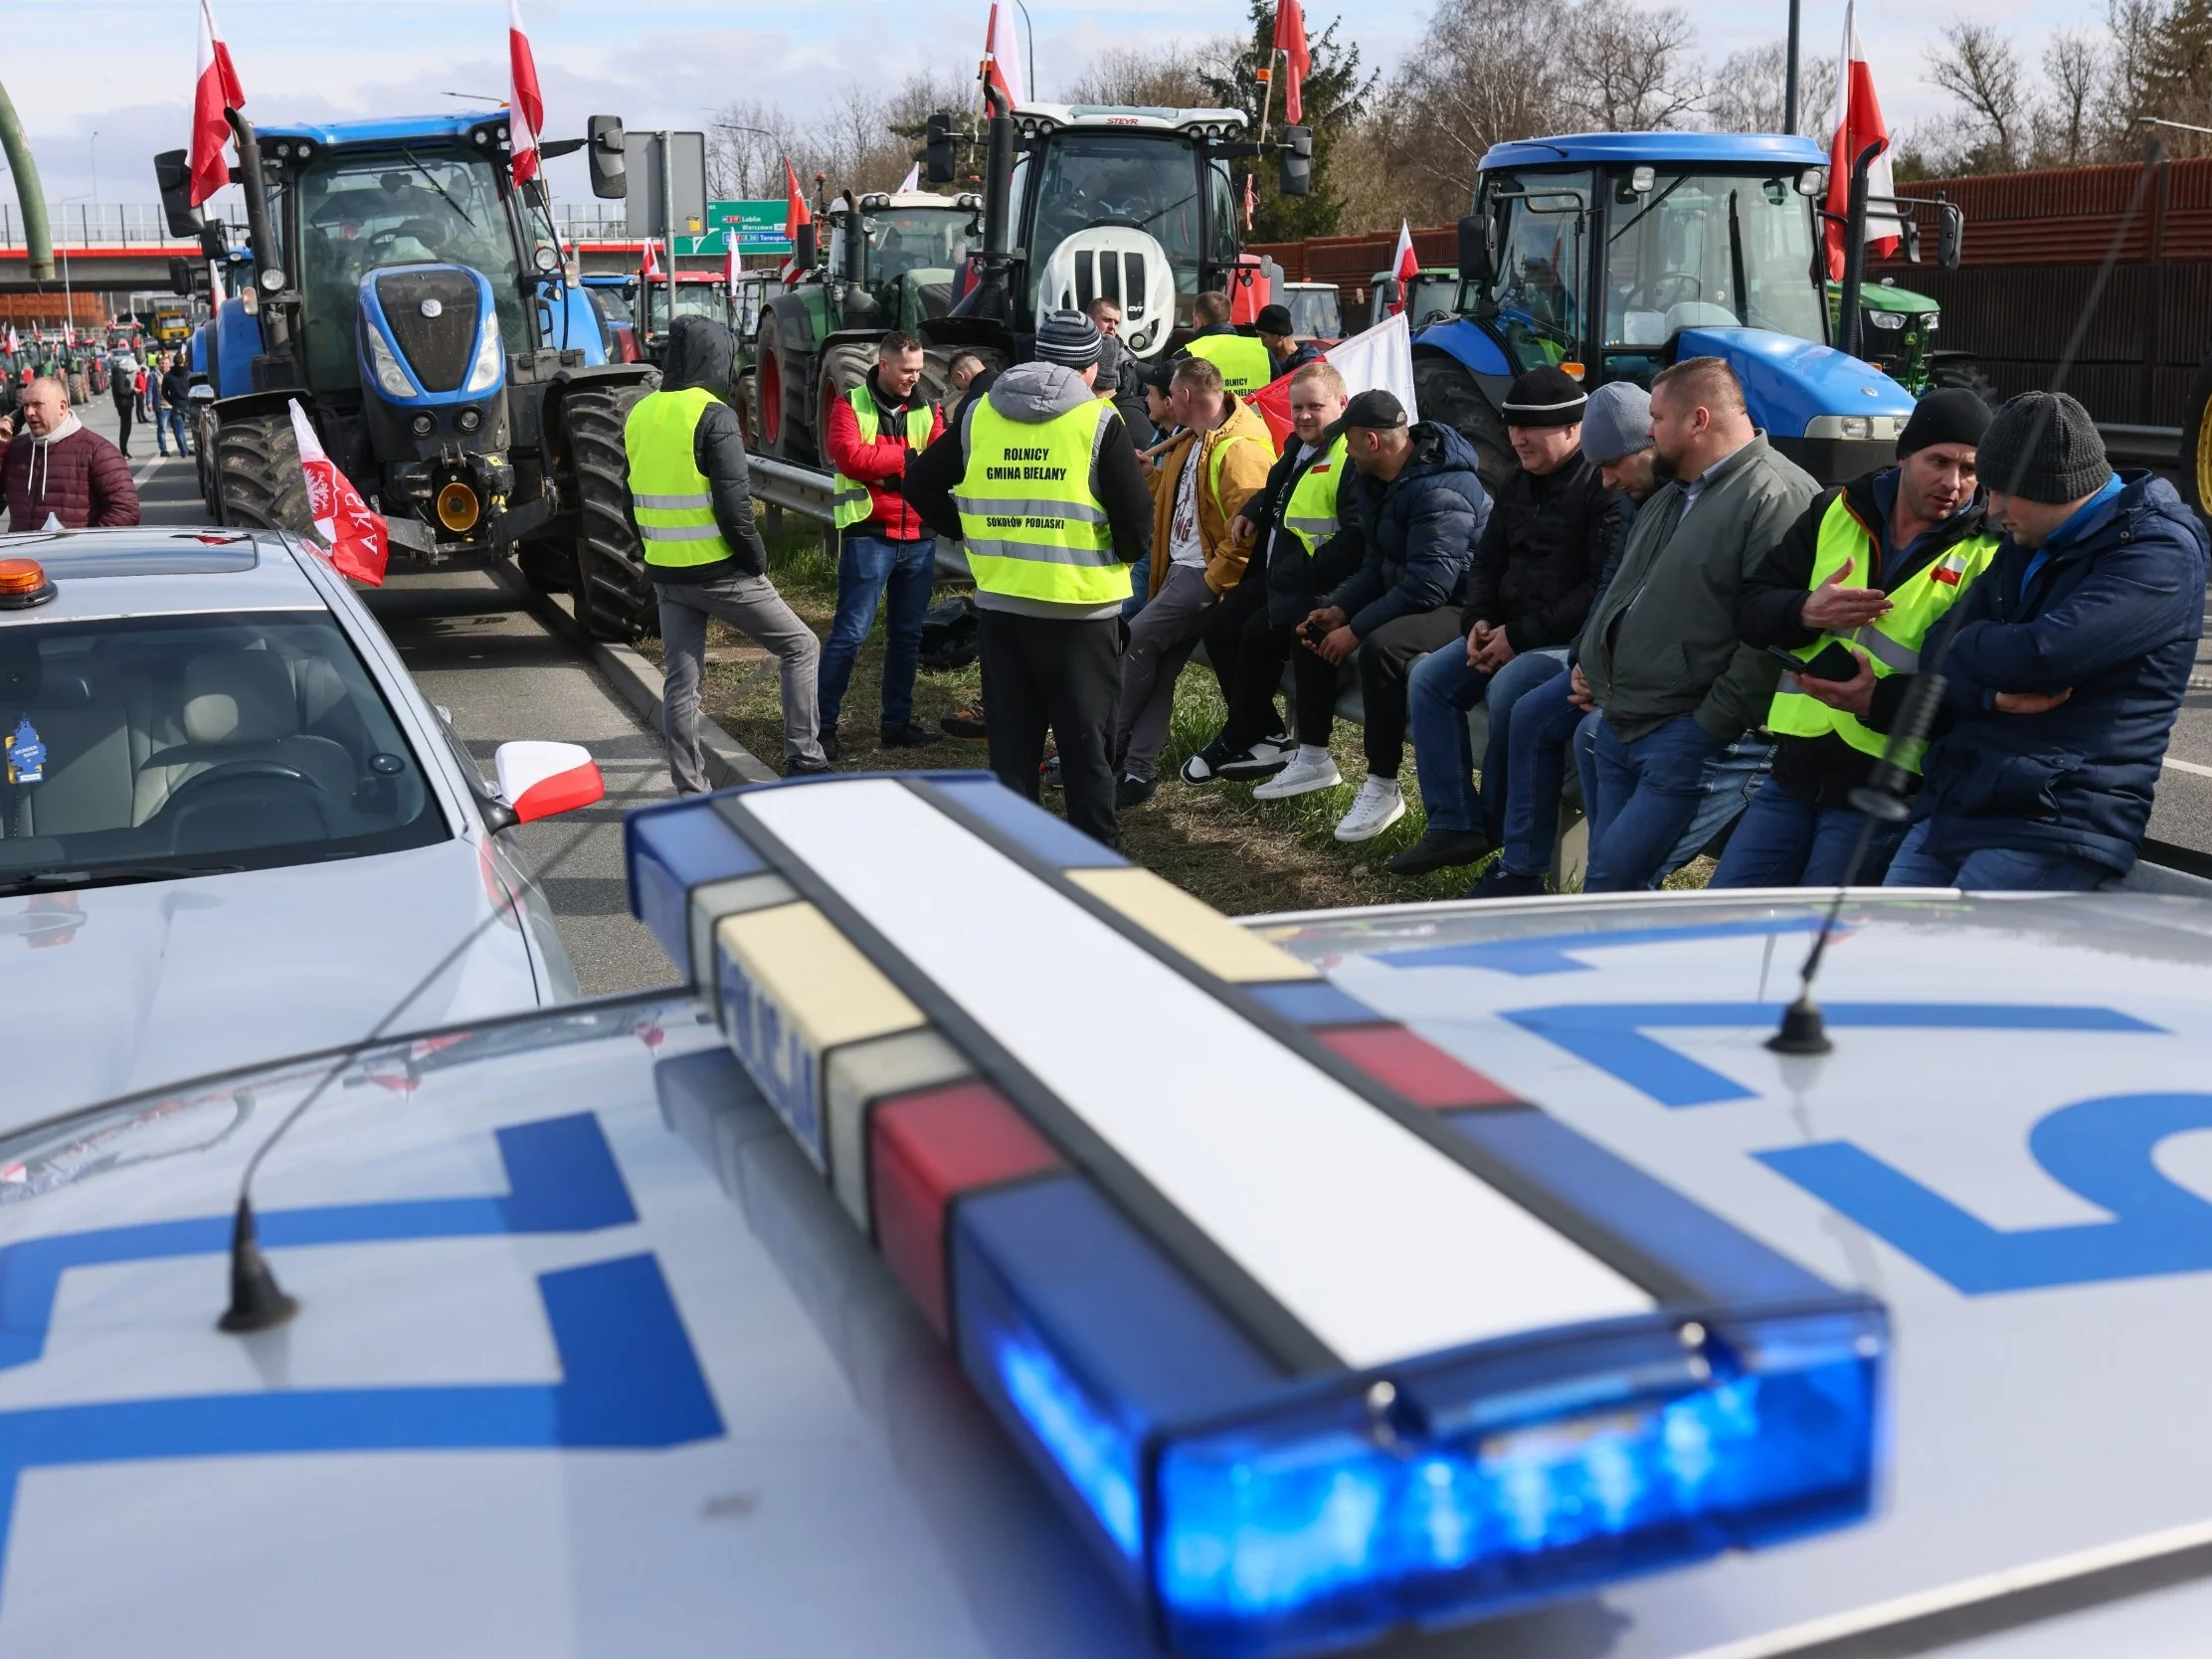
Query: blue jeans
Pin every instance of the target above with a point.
(1441, 689)
(1786, 841)
(1139, 582)
(1991, 870)
(1660, 798)
(868, 567)
(172, 424)
(1544, 727)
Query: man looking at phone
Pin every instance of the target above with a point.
(1851, 593)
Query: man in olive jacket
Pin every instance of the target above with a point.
(1660, 652)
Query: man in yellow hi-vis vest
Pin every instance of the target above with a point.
(1041, 482)
(692, 498)
(1850, 595)
(1242, 359)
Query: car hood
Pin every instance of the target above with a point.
(113, 990)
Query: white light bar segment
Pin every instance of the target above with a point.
(1379, 1243)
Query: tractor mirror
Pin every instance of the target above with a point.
(603, 149)
(939, 164)
(172, 171)
(1950, 235)
(803, 247)
(1476, 265)
(1296, 174)
(180, 277)
(1911, 242)
(215, 243)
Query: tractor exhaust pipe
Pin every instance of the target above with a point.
(1854, 252)
(993, 297)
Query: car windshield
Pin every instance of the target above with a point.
(1707, 250)
(1541, 220)
(1151, 184)
(184, 745)
(358, 213)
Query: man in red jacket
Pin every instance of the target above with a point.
(883, 545)
(56, 467)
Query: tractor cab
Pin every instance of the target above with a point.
(698, 293)
(1431, 296)
(910, 251)
(1316, 311)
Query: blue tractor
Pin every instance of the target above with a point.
(419, 307)
(1614, 255)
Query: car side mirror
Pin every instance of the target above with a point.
(1951, 234)
(939, 164)
(172, 172)
(1477, 263)
(540, 779)
(1295, 174)
(603, 149)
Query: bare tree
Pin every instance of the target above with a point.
(1980, 68)
(2132, 83)
(2073, 66)
(1629, 68)
(1484, 72)
(1750, 88)
(1171, 74)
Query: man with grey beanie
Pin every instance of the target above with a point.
(1041, 482)
(2067, 663)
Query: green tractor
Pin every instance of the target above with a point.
(892, 258)
(1897, 332)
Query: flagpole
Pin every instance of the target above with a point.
(1267, 90)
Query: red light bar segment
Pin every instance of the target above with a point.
(1413, 1067)
(924, 1150)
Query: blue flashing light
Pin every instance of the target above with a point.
(1097, 1454)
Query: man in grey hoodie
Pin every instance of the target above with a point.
(1041, 482)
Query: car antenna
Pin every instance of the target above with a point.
(1882, 799)
(258, 1301)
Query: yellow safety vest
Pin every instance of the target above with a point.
(1244, 364)
(667, 491)
(1892, 642)
(1032, 527)
(1311, 512)
(849, 497)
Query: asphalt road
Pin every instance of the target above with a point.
(501, 676)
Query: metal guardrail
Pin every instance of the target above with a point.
(798, 490)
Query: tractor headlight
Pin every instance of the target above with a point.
(1935, 320)
(484, 374)
(1892, 320)
(390, 377)
(1857, 426)
(468, 420)
(422, 426)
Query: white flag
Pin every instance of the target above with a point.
(913, 179)
(1382, 356)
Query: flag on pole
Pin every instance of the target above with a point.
(1251, 202)
(795, 214)
(214, 89)
(913, 179)
(650, 270)
(1002, 55)
(732, 262)
(14, 344)
(358, 541)
(1862, 125)
(525, 106)
(1290, 40)
(1383, 356)
(1405, 265)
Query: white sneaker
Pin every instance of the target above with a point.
(1379, 804)
(1299, 777)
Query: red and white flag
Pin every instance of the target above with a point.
(1862, 125)
(214, 89)
(1405, 265)
(1002, 55)
(359, 540)
(1377, 357)
(525, 106)
(913, 179)
(795, 214)
(14, 344)
(732, 263)
(539, 779)
(650, 269)
(1290, 40)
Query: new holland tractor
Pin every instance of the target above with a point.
(419, 308)
(892, 261)
(1614, 255)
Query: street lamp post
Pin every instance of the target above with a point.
(1789, 77)
(69, 302)
(1031, 29)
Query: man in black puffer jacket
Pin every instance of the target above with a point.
(1529, 584)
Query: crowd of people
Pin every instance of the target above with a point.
(1654, 601)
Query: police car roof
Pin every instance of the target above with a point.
(145, 571)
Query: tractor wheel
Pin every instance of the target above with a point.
(775, 406)
(2196, 439)
(1966, 375)
(843, 368)
(1448, 394)
(257, 482)
(613, 593)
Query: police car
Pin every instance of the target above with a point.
(231, 828)
(1448, 1280)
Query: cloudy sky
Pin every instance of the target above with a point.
(122, 68)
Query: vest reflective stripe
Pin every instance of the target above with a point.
(1891, 643)
(1032, 527)
(1244, 364)
(1311, 512)
(850, 498)
(669, 494)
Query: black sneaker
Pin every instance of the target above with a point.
(1498, 882)
(1440, 849)
(1134, 792)
(1206, 766)
(908, 736)
(804, 766)
(1263, 760)
(1049, 773)
(832, 745)
(967, 724)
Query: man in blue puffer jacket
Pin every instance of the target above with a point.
(2068, 660)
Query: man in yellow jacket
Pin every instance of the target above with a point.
(1200, 482)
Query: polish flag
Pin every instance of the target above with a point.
(1290, 40)
(1862, 125)
(1002, 55)
(795, 214)
(1382, 356)
(732, 263)
(359, 540)
(539, 779)
(214, 89)
(14, 344)
(1405, 265)
(650, 269)
(913, 179)
(525, 106)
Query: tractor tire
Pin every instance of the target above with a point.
(779, 438)
(2196, 439)
(843, 368)
(1965, 376)
(1448, 394)
(607, 576)
(257, 482)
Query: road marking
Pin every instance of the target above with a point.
(138, 478)
(2187, 766)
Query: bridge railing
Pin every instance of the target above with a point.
(95, 225)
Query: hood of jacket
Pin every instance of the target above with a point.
(702, 352)
(1036, 392)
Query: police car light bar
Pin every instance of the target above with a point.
(1314, 1332)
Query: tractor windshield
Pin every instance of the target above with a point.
(362, 211)
(1141, 182)
(1706, 251)
(1541, 223)
(903, 239)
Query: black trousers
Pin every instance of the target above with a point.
(1225, 630)
(1262, 652)
(1386, 658)
(1041, 674)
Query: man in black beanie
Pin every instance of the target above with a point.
(1852, 593)
(2065, 665)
